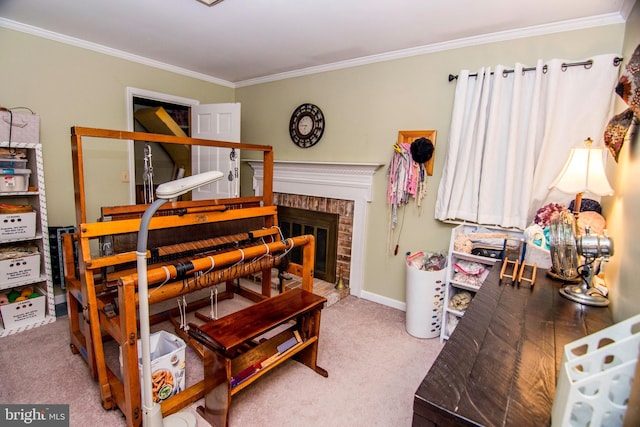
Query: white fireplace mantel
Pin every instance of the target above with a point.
(336, 180)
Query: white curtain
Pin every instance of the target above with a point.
(511, 133)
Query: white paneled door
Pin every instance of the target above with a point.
(220, 122)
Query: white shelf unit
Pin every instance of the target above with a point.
(38, 200)
(451, 316)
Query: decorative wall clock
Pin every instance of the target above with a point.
(306, 125)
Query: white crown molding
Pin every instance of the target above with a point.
(625, 9)
(575, 24)
(346, 181)
(571, 25)
(50, 35)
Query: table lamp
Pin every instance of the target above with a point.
(151, 412)
(584, 172)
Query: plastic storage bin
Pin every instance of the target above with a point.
(12, 179)
(425, 299)
(12, 162)
(595, 378)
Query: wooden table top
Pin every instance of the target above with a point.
(500, 366)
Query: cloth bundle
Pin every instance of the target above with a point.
(628, 89)
(629, 84)
(407, 178)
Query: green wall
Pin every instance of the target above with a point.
(365, 107)
(70, 86)
(623, 210)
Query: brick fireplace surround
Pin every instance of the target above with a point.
(344, 210)
(343, 188)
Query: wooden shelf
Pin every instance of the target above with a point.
(265, 350)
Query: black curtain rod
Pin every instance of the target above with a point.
(586, 64)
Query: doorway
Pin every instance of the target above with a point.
(220, 122)
(164, 165)
(168, 161)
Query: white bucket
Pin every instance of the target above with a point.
(425, 301)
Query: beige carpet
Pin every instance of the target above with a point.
(374, 367)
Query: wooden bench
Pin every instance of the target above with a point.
(237, 351)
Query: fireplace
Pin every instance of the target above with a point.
(323, 226)
(343, 186)
(319, 210)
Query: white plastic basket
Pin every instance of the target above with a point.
(602, 338)
(595, 377)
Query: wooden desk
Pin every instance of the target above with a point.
(500, 366)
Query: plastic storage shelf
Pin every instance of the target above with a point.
(34, 195)
(456, 289)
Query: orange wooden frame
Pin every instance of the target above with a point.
(92, 319)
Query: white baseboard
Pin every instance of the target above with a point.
(383, 300)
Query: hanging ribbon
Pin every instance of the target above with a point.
(407, 179)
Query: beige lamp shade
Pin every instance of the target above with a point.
(583, 172)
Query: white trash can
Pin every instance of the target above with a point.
(425, 299)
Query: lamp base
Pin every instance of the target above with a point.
(584, 294)
(556, 276)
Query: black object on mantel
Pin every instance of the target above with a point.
(501, 364)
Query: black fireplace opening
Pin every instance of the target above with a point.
(324, 228)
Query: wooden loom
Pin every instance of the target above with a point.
(102, 290)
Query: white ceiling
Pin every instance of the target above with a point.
(240, 42)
